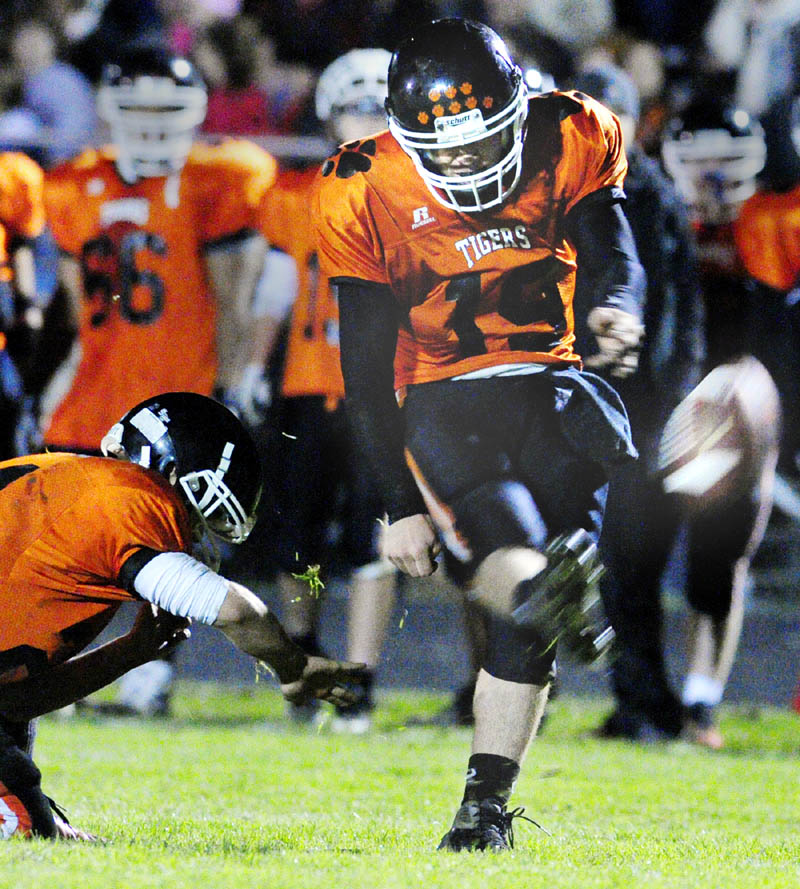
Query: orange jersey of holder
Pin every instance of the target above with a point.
(476, 289)
(67, 526)
(148, 317)
(767, 234)
(312, 357)
(21, 206)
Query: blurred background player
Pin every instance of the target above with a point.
(80, 536)
(643, 521)
(767, 233)
(713, 152)
(21, 225)
(317, 477)
(160, 300)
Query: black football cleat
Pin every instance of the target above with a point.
(565, 603)
(484, 826)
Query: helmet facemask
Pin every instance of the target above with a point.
(208, 493)
(481, 189)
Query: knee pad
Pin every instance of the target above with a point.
(514, 652)
(518, 654)
(499, 514)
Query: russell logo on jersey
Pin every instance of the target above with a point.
(422, 217)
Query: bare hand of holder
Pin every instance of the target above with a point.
(619, 338)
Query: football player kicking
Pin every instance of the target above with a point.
(464, 243)
(81, 535)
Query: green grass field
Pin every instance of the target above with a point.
(227, 794)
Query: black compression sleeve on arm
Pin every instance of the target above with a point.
(609, 271)
(368, 324)
(133, 565)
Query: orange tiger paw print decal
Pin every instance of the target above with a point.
(461, 97)
(351, 158)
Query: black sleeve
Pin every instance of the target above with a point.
(368, 324)
(609, 271)
(133, 565)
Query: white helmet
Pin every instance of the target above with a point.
(153, 103)
(357, 80)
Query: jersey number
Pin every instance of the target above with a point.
(528, 294)
(112, 277)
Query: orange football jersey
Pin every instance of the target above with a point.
(21, 206)
(148, 316)
(311, 366)
(475, 289)
(67, 526)
(767, 233)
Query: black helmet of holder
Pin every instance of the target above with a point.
(202, 449)
(455, 93)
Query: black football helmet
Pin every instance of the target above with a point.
(153, 103)
(200, 447)
(453, 84)
(714, 152)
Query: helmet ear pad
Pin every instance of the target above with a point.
(169, 469)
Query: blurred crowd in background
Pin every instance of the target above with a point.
(726, 67)
(261, 59)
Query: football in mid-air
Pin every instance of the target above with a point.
(718, 440)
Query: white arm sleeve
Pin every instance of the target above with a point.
(181, 585)
(277, 287)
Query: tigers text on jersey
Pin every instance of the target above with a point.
(21, 206)
(767, 233)
(312, 363)
(475, 289)
(148, 317)
(68, 524)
